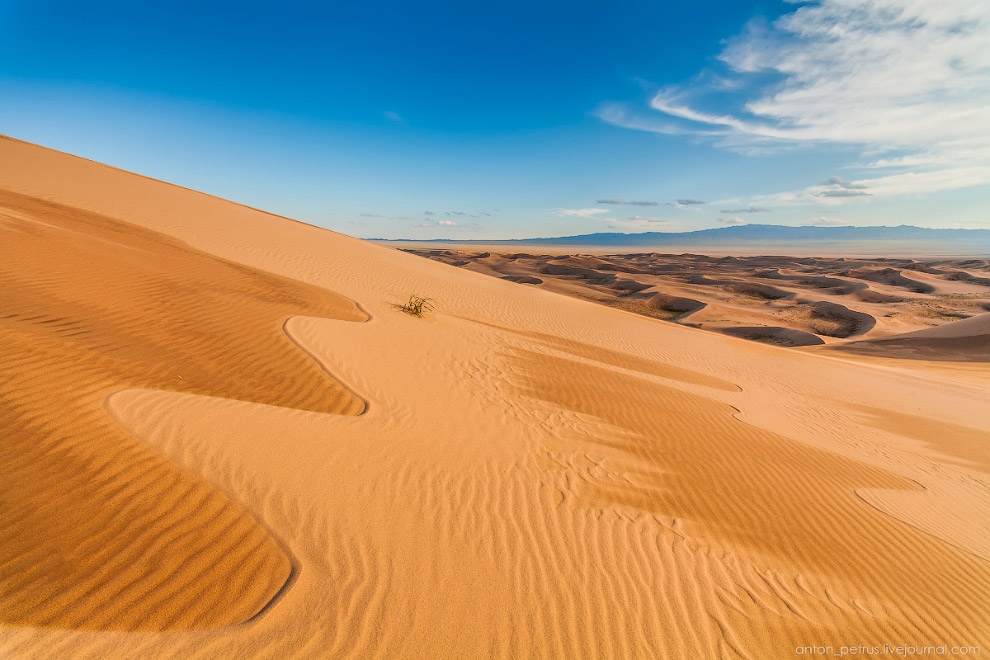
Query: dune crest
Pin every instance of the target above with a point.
(967, 340)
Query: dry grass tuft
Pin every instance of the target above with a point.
(417, 305)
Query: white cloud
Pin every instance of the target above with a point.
(905, 80)
(581, 213)
(393, 116)
(895, 185)
(975, 150)
(842, 193)
(438, 223)
(732, 220)
(618, 115)
(880, 72)
(921, 183)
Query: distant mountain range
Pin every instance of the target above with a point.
(977, 238)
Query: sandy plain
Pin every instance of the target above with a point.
(221, 438)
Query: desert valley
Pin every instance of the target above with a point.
(223, 437)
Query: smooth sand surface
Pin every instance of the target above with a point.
(222, 439)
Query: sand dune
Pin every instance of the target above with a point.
(790, 301)
(106, 533)
(773, 335)
(242, 441)
(892, 277)
(966, 340)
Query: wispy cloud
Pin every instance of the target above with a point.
(905, 80)
(886, 187)
(686, 203)
(464, 214)
(618, 114)
(842, 193)
(443, 222)
(622, 201)
(372, 215)
(732, 220)
(839, 182)
(839, 187)
(393, 116)
(748, 209)
(581, 213)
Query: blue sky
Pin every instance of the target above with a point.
(517, 119)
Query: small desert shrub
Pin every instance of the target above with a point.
(417, 305)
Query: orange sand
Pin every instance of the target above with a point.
(194, 410)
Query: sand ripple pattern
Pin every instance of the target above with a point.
(530, 475)
(615, 508)
(97, 531)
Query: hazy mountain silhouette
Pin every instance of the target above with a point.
(978, 238)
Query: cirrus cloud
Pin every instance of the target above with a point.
(748, 209)
(622, 201)
(581, 213)
(907, 81)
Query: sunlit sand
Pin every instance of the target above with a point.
(222, 438)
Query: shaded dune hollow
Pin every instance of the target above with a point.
(775, 335)
(676, 305)
(835, 320)
(97, 531)
(892, 277)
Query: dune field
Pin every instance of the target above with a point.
(788, 301)
(223, 438)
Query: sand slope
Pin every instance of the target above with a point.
(966, 341)
(519, 474)
(100, 532)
